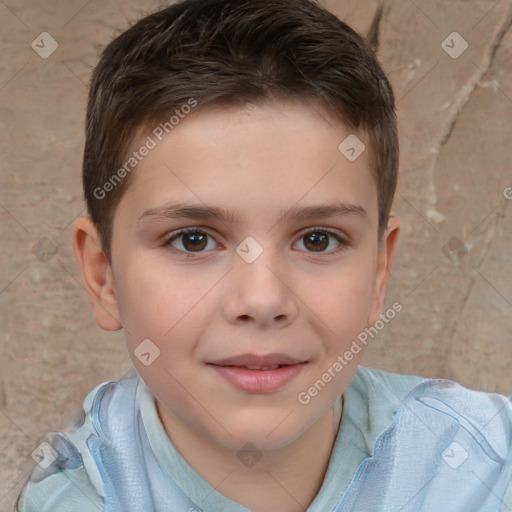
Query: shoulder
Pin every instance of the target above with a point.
(379, 384)
(423, 430)
(381, 393)
(64, 491)
(482, 414)
(66, 477)
(373, 383)
(372, 400)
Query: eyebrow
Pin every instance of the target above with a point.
(206, 212)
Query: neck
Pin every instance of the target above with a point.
(285, 479)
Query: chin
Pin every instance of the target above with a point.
(263, 435)
(256, 442)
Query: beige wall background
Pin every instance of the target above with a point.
(453, 270)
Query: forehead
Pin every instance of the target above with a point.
(262, 156)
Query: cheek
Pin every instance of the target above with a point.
(167, 311)
(343, 299)
(155, 302)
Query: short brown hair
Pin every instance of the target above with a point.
(224, 52)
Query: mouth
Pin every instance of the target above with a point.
(263, 368)
(255, 362)
(258, 374)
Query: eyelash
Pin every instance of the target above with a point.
(177, 234)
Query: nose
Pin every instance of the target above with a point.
(261, 292)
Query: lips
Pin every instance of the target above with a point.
(258, 374)
(254, 362)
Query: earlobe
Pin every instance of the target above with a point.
(96, 274)
(384, 262)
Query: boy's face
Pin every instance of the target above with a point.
(213, 305)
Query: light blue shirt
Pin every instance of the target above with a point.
(404, 443)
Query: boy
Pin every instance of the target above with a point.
(240, 164)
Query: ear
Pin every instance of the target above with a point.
(97, 274)
(384, 260)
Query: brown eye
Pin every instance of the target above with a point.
(319, 240)
(316, 241)
(192, 240)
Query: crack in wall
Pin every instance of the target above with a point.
(466, 92)
(486, 234)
